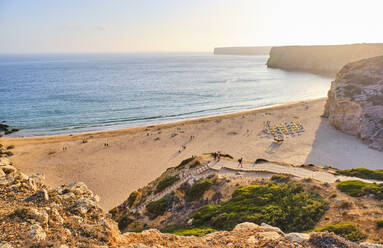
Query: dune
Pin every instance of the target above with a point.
(136, 156)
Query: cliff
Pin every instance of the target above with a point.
(355, 101)
(322, 60)
(261, 50)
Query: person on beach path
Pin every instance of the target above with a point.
(240, 162)
(218, 155)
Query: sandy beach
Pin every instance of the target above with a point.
(135, 156)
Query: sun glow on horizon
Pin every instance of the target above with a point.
(173, 25)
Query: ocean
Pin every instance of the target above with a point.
(64, 94)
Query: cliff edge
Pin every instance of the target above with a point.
(355, 101)
(322, 60)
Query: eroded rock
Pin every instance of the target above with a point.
(37, 233)
(355, 101)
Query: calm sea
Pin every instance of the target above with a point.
(61, 94)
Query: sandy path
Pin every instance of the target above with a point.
(139, 155)
(294, 171)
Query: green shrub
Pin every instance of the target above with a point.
(185, 162)
(195, 164)
(132, 197)
(166, 182)
(357, 188)
(222, 155)
(10, 147)
(280, 178)
(363, 173)
(285, 205)
(194, 231)
(333, 195)
(159, 207)
(379, 223)
(198, 189)
(348, 231)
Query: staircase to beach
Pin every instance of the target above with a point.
(270, 167)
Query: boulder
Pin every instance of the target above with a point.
(355, 101)
(32, 215)
(4, 161)
(330, 240)
(370, 245)
(5, 245)
(298, 237)
(83, 205)
(79, 188)
(37, 233)
(8, 169)
(268, 228)
(246, 225)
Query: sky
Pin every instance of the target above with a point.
(76, 26)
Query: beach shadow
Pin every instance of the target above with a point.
(332, 147)
(273, 147)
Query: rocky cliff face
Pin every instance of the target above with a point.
(355, 101)
(323, 60)
(34, 215)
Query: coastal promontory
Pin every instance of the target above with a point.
(355, 101)
(322, 60)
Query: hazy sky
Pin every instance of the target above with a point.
(41, 26)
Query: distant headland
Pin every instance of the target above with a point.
(322, 60)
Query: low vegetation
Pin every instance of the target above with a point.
(185, 162)
(348, 231)
(157, 208)
(166, 182)
(287, 206)
(358, 188)
(222, 155)
(10, 147)
(379, 223)
(198, 189)
(280, 178)
(132, 197)
(363, 173)
(189, 231)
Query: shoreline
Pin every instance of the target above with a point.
(136, 156)
(136, 129)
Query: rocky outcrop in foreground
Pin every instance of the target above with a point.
(355, 101)
(322, 60)
(34, 215)
(246, 235)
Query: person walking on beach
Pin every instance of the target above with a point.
(240, 162)
(218, 155)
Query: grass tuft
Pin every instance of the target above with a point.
(346, 230)
(198, 189)
(358, 188)
(363, 173)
